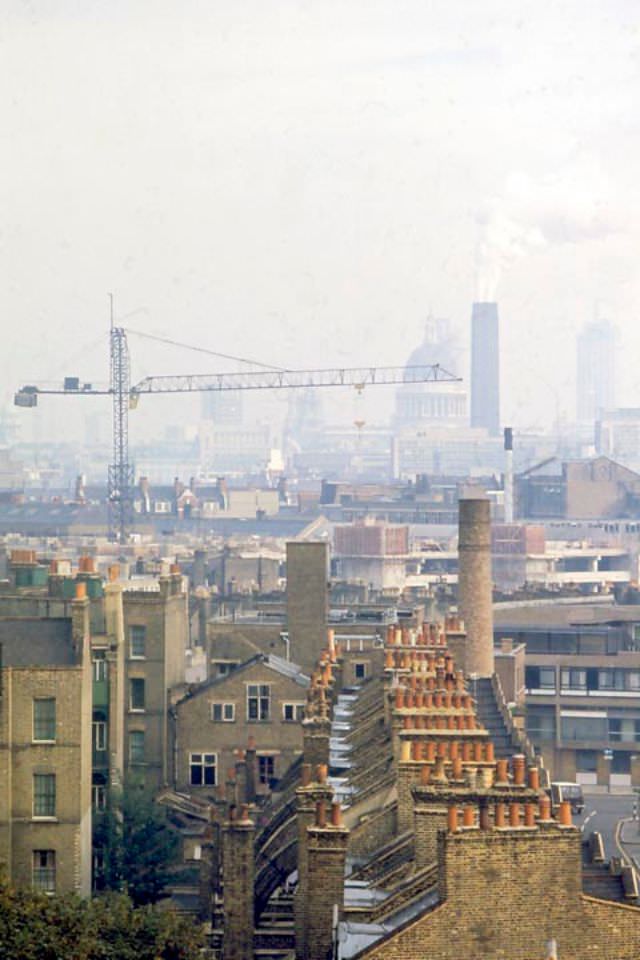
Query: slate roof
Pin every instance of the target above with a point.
(37, 642)
(283, 667)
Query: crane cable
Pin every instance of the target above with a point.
(214, 353)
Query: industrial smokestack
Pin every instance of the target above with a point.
(475, 599)
(508, 475)
(485, 367)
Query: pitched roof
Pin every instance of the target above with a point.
(37, 642)
(284, 667)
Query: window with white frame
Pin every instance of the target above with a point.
(258, 701)
(99, 665)
(203, 769)
(99, 735)
(223, 712)
(266, 769)
(44, 719)
(99, 791)
(44, 795)
(292, 712)
(136, 694)
(44, 870)
(137, 640)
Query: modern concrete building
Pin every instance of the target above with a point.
(485, 368)
(582, 680)
(371, 553)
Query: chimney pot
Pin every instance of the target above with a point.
(529, 815)
(519, 762)
(452, 819)
(81, 590)
(321, 814)
(336, 814)
(565, 818)
(544, 807)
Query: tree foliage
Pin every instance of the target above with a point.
(138, 846)
(34, 926)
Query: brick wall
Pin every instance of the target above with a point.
(505, 893)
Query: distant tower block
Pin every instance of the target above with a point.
(475, 584)
(307, 601)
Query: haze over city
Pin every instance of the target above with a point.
(302, 183)
(319, 480)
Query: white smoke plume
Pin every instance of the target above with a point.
(533, 215)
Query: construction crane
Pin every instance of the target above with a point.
(125, 396)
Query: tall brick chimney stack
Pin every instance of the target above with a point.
(328, 839)
(475, 585)
(238, 874)
(313, 789)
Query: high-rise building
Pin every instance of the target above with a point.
(485, 367)
(596, 349)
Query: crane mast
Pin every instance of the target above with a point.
(124, 396)
(120, 471)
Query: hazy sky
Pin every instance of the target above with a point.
(302, 181)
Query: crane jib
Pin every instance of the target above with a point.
(124, 397)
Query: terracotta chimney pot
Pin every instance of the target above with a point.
(564, 814)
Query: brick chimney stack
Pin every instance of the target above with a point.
(475, 584)
(238, 875)
(328, 839)
(313, 790)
